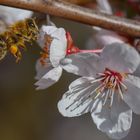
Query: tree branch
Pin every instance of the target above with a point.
(81, 2)
(79, 14)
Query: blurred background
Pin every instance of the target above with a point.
(27, 114)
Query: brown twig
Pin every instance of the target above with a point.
(80, 14)
(80, 2)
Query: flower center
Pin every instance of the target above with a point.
(111, 79)
(110, 82)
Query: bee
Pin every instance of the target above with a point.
(26, 29)
(32, 28)
(14, 43)
(15, 37)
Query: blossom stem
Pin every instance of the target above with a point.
(76, 13)
(91, 51)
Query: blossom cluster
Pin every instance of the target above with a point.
(108, 88)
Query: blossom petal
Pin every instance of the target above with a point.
(115, 121)
(58, 46)
(83, 64)
(132, 95)
(81, 83)
(120, 57)
(106, 37)
(57, 51)
(42, 69)
(59, 34)
(45, 30)
(49, 78)
(137, 72)
(49, 29)
(69, 105)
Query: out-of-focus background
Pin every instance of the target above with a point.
(27, 114)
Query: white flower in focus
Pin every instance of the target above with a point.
(110, 94)
(50, 73)
(59, 47)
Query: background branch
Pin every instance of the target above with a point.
(73, 12)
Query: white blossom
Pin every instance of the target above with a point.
(110, 94)
(58, 58)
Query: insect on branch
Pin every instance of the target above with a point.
(80, 14)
